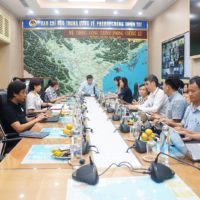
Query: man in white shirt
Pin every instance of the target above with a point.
(156, 101)
(88, 86)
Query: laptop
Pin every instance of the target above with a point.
(193, 150)
(190, 148)
(53, 119)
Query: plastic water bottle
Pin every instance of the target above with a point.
(165, 144)
(76, 147)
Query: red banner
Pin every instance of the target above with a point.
(95, 33)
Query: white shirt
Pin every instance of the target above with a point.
(156, 101)
(33, 101)
(87, 88)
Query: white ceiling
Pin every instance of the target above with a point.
(133, 9)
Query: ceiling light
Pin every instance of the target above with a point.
(140, 13)
(30, 12)
(86, 11)
(21, 196)
(87, 1)
(115, 12)
(198, 4)
(56, 11)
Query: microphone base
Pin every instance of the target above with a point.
(86, 174)
(160, 172)
(124, 128)
(116, 117)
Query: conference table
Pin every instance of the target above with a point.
(51, 180)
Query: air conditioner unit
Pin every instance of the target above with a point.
(4, 28)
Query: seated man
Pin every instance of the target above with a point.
(13, 116)
(88, 87)
(50, 93)
(190, 125)
(156, 101)
(176, 104)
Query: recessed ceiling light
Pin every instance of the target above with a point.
(198, 4)
(30, 12)
(56, 11)
(87, 1)
(86, 11)
(115, 12)
(140, 13)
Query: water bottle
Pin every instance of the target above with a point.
(76, 145)
(165, 144)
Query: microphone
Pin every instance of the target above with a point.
(124, 128)
(139, 145)
(182, 161)
(94, 90)
(87, 174)
(86, 128)
(159, 172)
(109, 109)
(86, 146)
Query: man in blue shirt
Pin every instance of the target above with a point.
(176, 104)
(190, 125)
(88, 87)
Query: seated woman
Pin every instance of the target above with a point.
(143, 95)
(34, 103)
(50, 93)
(125, 93)
(117, 84)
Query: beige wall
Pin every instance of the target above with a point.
(11, 54)
(172, 22)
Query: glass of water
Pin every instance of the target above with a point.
(133, 131)
(151, 147)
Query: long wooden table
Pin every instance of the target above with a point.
(49, 181)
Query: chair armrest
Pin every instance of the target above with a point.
(7, 140)
(11, 135)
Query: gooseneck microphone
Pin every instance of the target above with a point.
(182, 161)
(159, 172)
(139, 145)
(87, 174)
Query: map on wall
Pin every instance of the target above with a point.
(50, 53)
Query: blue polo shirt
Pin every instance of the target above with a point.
(191, 119)
(126, 95)
(176, 106)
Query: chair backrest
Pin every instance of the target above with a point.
(135, 91)
(3, 101)
(2, 133)
(3, 98)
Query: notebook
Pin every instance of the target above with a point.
(34, 134)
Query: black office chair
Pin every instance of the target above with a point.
(136, 91)
(9, 140)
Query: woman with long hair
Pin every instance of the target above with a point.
(125, 93)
